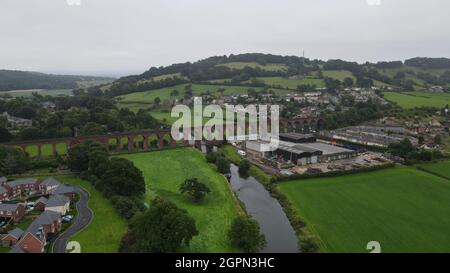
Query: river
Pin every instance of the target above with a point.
(267, 211)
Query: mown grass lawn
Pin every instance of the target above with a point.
(4, 249)
(440, 168)
(107, 228)
(164, 171)
(404, 209)
(409, 100)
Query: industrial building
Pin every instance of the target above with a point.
(298, 149)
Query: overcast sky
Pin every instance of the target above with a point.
(129, 36)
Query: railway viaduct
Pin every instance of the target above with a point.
(154, 139)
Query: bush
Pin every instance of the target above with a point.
(126, 207)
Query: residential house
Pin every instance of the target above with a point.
(65, 190)
(40, 204)
(58, 203)
(13, 211)
(48, 185)
(3, 180)
(4, 194)
(35, 237)
(11, 238)
(23, 186)
(16, 122)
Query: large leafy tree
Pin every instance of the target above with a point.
(121, 177)
(246, 235)
(12, 160)
(194, 189)
(162, 228)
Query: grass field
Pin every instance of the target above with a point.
(291, 83)
(103, 235)
(142, 100)
(46, 150)
(29, 93)
(414, 99)
(339, 74)
(107, 228)
(197, 89)
(268, 67)
(404, 209)
(164, 171)
(440, 168)
(4, 249)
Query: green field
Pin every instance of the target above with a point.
(339, 74)
(46, 150)
(404, 209)
(142, 100)
(107, 228)
(267, 67)
(440, 168)
(291, 83)
(29, 93)
(164, 171)
(414, 99)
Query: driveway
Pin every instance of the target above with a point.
(83, 219)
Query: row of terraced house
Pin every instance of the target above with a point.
(54, 202)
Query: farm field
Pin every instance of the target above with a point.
(267, 67)
(339, 74)
(142, 100)
(197, 89)
(404, 209)
(414, 99)
(29, 93)
(164, 171)
(440, 168)
(291, 83)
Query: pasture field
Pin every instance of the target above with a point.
(409, 100)
(441, 168)
(164, 171)
(404, 209)
(339, 74)
(142, 100)
(267, 67)
(291, 83)
(43, 92)
(197, 90)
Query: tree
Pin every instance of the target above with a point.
(401, 148)
(121, 177)
(223, 165)
(194, 189)
(92, 129)
(437, 140)
(157, 100)
(244, 167)
(212, 157)
(126, 207)
(246, 235)
(5, 135)
(78, 157)
(348, 82)
(162, 228)
(12, 160)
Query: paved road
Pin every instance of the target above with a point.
(83, 219)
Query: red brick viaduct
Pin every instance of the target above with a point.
(151, 139)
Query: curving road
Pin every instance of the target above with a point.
(83, 219)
